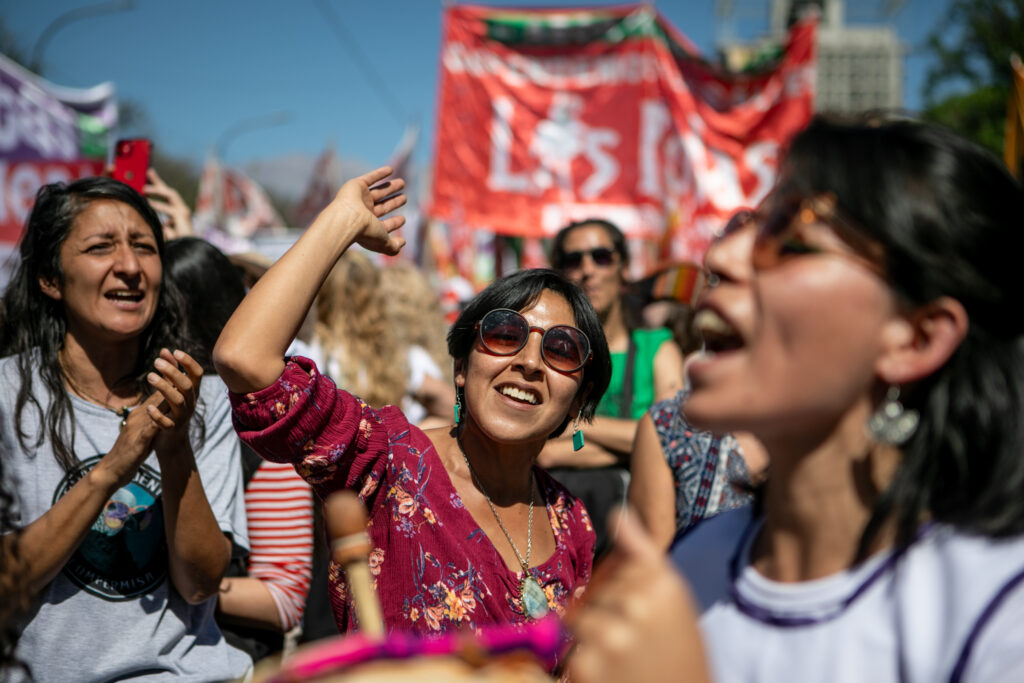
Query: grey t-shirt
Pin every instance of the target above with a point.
(112, 612)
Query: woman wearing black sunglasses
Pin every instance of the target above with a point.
(647, 366)
(865, 328)
(465, 530)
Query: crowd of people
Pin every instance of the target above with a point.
(825, 486)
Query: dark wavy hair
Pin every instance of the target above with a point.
(35, 325)
(948, 217)
(212, 288)
(522, 289)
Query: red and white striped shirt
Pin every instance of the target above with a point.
(279, 506)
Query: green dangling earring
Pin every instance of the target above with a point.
(577, 435)
(458, 410)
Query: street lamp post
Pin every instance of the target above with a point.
(236, 129)
(35, 62)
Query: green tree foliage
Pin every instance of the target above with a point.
(969, 83)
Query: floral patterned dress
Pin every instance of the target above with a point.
(434, 568)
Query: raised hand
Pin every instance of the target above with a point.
(165, 199)
(637, 620)
(176, 379)
(372, 196)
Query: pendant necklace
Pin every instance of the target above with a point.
(532, 599)
(121, 412)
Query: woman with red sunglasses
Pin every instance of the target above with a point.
(465, 530)
(865, 328)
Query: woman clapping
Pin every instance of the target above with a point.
(126, 498)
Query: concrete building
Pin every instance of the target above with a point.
(860, 67)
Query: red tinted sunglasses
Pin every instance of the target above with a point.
(504, 332)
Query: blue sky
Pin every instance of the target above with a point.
(200, 67)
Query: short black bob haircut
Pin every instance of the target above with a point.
(948, 218)
(610, 229)
(517, 292)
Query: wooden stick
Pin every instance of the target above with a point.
(350, 547)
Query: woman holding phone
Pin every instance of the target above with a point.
(465, 529)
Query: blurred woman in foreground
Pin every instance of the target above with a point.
(865, 329)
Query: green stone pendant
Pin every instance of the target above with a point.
(577, 440)
(532, 598)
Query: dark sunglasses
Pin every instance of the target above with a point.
(601, 256)
(504, 332)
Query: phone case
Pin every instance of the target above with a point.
(131, 160)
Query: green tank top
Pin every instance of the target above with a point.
(647, 344)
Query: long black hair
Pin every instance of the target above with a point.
(212, 288)
(35, 325)
(519, 290)
(948, 217)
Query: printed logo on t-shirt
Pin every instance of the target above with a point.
(124, 555)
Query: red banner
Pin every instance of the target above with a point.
(550, 116)
(19, 182)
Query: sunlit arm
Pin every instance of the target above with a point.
(651, 490)
(607, 441)
(249, 354)
(246, 600)
(668, 370)
(198, 551)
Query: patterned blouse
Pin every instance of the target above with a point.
(709, 472)
(434, 568)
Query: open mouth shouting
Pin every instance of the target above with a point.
(129, 297)
(718, 334)
(519, 394)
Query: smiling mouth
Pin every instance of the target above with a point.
(517, 394)
(718, 334)
(125, 295)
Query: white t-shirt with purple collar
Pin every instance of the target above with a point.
(951, 608)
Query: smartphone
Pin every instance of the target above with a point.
(131, 161)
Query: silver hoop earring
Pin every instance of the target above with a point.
(891, 423)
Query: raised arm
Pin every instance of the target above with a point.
(249, 354)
